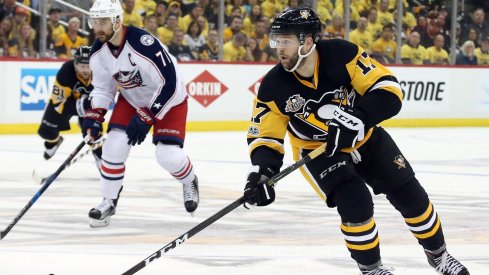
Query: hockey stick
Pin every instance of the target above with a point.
(187, 235)
(40, 180)
(45, 186)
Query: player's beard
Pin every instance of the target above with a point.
(290, 62)
(105, 37)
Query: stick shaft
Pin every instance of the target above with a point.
(201, 226)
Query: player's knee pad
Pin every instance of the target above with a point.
(170, 157)
(115, 148)
(410, 199)
(353, 201)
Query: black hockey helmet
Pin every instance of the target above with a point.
(82, 54)
(301, 22)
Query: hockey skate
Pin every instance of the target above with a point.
(376, 270)
(191, 195)
(100, 215)
(445, 264)
(51, 148)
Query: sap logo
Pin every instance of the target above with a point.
(35, 87)
(332, 168)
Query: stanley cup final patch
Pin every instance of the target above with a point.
(294, 103)
(399, 160)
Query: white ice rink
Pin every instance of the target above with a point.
(297, 234)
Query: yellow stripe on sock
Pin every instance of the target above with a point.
(361, 228)
(363, 246)
(421, 218)
(430, 233)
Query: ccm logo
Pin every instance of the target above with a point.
(332, 168)
(345, 119)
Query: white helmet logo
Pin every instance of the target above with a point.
(305, 14)
(147, 40)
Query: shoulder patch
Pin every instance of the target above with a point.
(147, 40)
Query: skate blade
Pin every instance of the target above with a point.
(94, 223)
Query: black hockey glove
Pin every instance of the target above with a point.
(82, 105)
(345, 130)
(92, 121)
(139, 126)
(256, 191)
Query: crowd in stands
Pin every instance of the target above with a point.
(188, 28)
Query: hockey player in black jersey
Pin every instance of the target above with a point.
(69, 98)
(332, 91)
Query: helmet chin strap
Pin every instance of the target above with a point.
(115, 32)
(301, 56)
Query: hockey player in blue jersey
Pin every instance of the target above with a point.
(152, 94)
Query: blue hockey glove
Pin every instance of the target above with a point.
(92, 121)
(257, 191)
(345, 130)
(139, 126)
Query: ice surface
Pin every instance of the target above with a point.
(297, 234)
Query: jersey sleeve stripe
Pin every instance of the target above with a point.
(390, 86)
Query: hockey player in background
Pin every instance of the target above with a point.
(69, 98)
(152, 94)
(332, 91)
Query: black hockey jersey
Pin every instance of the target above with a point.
(286, 102)
(68, 84)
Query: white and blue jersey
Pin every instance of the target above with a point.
(146, 74)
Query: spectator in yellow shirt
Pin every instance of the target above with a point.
(360, 36)
(482, 52)
(70, 41)
(145, 7)
(235, 4)
(174, 8)
(161, 12)
(436, 54)
(131, 17)
(234, 50)
(336, 28)
(151, 25)
(165, 33)
(235, 27)
(384, 15)
(204, 25)
(260, 35)
(384, 48)
(195, 12)
(412, 52)
(374, 26)
(354, 15)
(251, 19)
(270, 8)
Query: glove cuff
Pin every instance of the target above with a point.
(146, 116)
(264, 172)
(96, 114)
